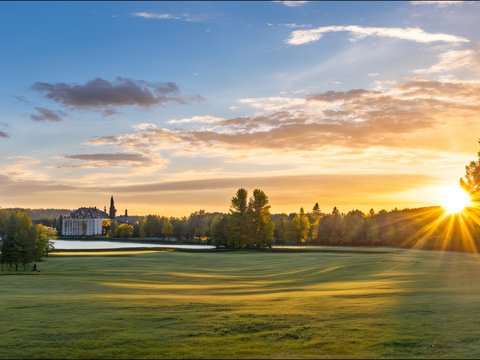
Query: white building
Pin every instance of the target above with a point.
(84, 222)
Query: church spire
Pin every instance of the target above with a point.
(113, 211)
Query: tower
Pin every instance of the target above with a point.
(113, 211)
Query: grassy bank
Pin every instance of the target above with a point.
(402, 303)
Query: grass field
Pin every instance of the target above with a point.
(404, 303)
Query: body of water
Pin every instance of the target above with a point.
(96, 245)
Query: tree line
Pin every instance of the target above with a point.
(250, 224)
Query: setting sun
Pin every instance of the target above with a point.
(454, 200)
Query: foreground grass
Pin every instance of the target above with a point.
(405, 303)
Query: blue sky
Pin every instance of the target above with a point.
(260, 95)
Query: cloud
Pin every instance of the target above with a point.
(3, 134)
(295, 26)
(197, 119)
(300, 37)
(131, 164)
(44, 114)
(102, 94)
(452, 60)
(292, 3)
(406, 113)
(442, 3)
(12, 187)
(452, 94)
(24, 167)
(157, 16)
(278, 182)
(110, 158)
(166, 16)
(330, 96)
(272, 103)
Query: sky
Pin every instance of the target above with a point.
(172, 106)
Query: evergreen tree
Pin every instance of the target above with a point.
(315, 216)
(261, 224)
(219, 230)
(471, 183)
(301, 227)
(238, 224)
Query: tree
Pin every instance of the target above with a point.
(45, 234)
(198, 227)
(301, 227)
(371, 228)
(138, 229)
(106, 227)
(219, 230)
(22, 242)
(180, 228)
(238, 220)
(167, 228)
(354, 227)
(331, 228)
(124, 231)
(152, 226)
(261, 223)
(281, 229)
(315, 216)
(471, 183)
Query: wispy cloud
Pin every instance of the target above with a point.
(272, 103)
(442, 3)
(101, 94)
(300, 37)
(197, 119)
(25, 167)
(296, 26)
(111, 159)
(3, 134)
(182, 17)
(292, 3)
(157, 16)
(44, 114)
(452, 60)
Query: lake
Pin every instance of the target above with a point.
(97, 245)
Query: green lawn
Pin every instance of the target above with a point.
(404, 303)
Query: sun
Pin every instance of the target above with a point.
(454, 200)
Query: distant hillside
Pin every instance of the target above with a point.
(39, 214)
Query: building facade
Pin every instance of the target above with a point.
(84, 222)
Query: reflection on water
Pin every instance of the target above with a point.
(96, 245)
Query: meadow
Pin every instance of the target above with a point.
(164, 304)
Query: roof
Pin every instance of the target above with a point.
(128, 219)
(88, 213)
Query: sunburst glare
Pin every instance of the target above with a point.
(454, 200)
